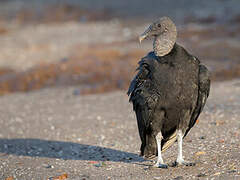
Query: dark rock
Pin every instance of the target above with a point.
(232, 171)
(178, 178)
(202, 137)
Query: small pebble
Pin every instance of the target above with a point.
(48, 166)
(98, 164)
(76, 92)
(202, 137)
(201, 175)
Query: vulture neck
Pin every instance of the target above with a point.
(164, 43)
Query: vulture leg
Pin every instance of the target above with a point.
(179, 139)
(180, 159)
(160, 163)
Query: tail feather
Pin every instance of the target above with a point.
(150, 152)
(170, 141)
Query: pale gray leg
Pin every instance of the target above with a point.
(160, 163)
(179, 139)
(180, 159)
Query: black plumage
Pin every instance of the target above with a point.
(168, 94)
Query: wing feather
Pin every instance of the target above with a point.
(143, 98)
(203, 93)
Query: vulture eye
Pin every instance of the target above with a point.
(159, 25)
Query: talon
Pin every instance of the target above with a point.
(159, 165)
(185, 163)
(174, 164)
(189, 163)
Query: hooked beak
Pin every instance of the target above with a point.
(145, 34)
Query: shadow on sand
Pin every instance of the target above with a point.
(64, 150)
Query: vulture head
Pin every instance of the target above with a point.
(164, 33)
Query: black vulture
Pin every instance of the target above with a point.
(168, 92)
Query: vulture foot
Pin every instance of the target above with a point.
(159, 165)
(185, 163)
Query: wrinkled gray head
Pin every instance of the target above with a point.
(164, 33)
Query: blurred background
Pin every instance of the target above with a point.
(93, 44)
